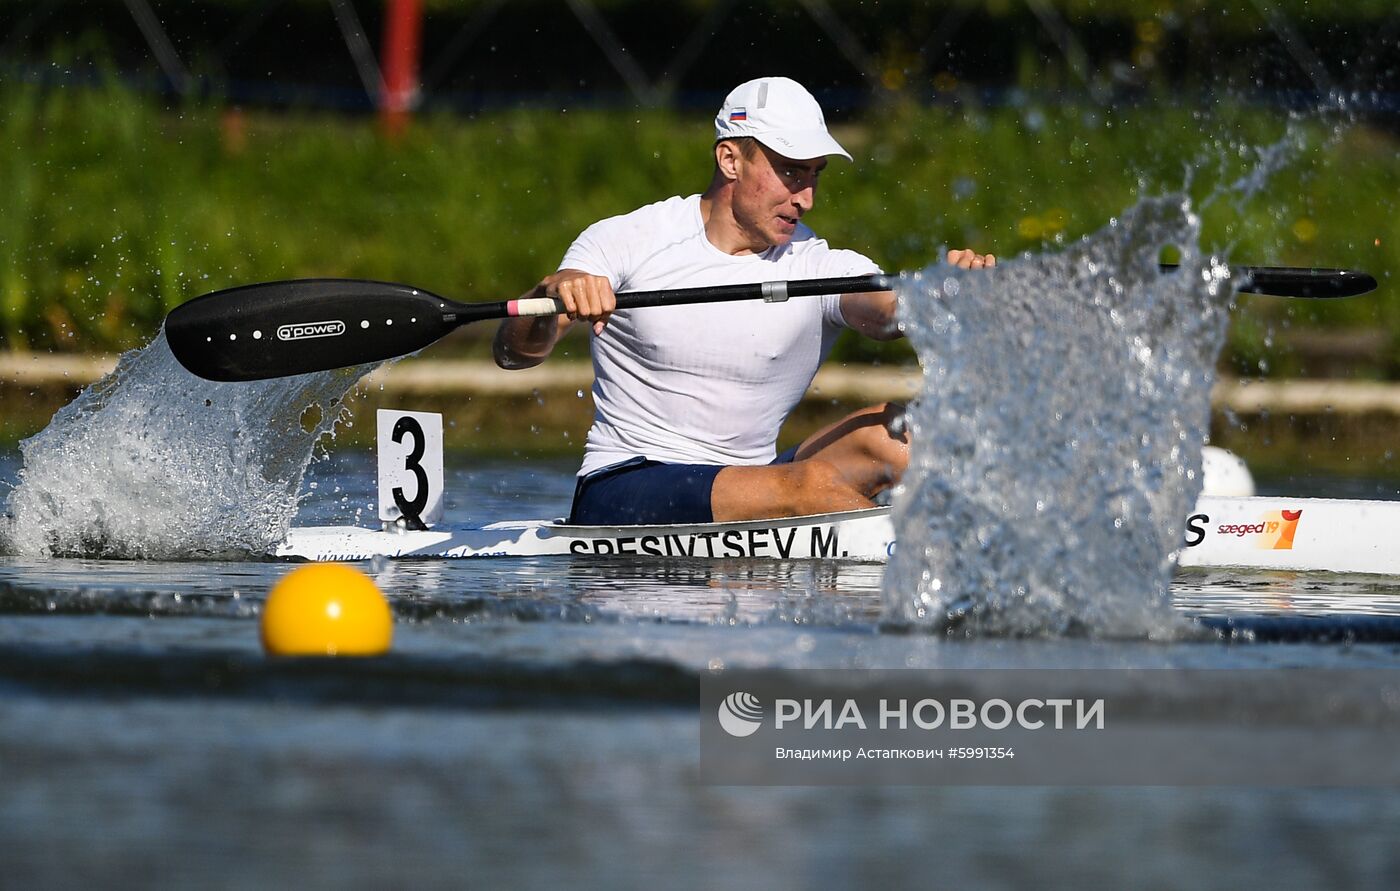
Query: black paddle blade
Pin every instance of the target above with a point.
(1298, 281)
(1287, 281)
(256, 332)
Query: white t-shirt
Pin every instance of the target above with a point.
(707, 383)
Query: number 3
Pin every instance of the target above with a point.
(412, 510)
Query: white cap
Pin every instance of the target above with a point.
(781, 114)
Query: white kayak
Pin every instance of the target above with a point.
(1261, 532)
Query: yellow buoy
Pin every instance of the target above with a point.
(326, 609)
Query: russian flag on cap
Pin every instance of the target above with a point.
(739, 114)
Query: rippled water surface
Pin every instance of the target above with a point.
(536, 723)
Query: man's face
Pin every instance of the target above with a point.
(773, 192)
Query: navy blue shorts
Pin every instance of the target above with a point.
(639, 492)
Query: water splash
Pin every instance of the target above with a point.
(1056, 444)
(153, 462)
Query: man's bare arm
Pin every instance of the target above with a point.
(872, 314)
(875, 314)
(526, 342)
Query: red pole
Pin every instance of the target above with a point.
(403, 31)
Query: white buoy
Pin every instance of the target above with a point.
(1225, 474)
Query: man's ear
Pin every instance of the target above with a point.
(727, 159)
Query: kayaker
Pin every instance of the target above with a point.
(689, 400)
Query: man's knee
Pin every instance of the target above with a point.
(888, 440)
(893, 420)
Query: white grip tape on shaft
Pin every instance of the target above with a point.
(537, 306)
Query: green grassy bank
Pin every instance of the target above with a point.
(115, 208)
(553, 424)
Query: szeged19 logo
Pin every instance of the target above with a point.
(740, 714)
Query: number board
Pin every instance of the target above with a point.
(410, 467)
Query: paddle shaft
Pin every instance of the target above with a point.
(770, 292)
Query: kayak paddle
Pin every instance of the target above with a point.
(277, 329)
